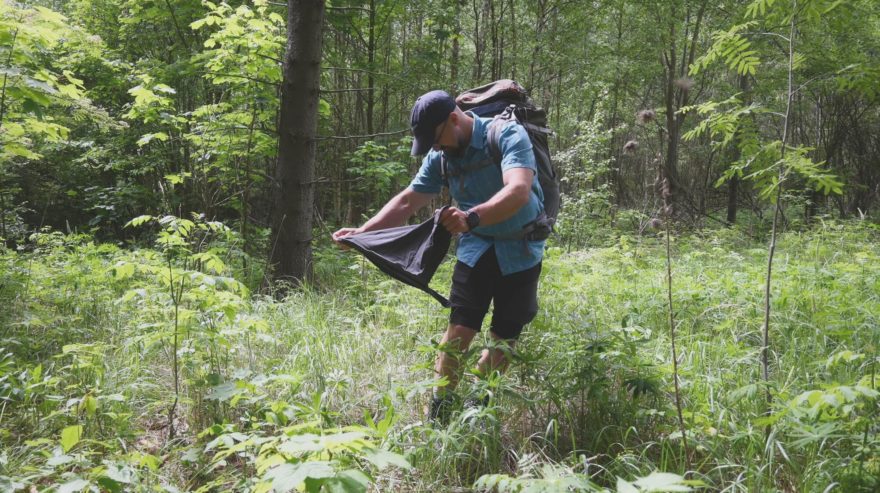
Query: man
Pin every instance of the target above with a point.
(495, 263)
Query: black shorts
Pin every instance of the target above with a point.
(515, 296)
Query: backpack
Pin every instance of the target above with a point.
(506, 101)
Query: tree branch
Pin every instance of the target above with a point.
(383, 134)
(252, 79)
(335, 91)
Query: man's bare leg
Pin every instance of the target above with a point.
(458, 338)
(495, 359)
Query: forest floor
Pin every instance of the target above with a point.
(159, 370)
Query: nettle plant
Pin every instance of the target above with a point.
(191, 311)
(277, 445)
(559, 479)
(282, 454)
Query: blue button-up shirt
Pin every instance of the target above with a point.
(473, 179)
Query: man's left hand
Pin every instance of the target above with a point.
(454, 220)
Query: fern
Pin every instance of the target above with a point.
(724, 122)
(758, 8)
(733, 48)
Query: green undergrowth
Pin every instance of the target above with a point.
(159, 369)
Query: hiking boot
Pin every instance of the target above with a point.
(440, 410)
(477, 402)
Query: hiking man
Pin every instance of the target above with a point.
(495, 263)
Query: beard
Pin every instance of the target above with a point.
(457, 151)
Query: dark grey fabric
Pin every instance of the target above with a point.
(410, 254)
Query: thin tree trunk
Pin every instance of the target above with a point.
(494, 25)
(291, 252)
(478, 44)
(6, 76)
(371, 58)
(514, 29)
(765, 349)
(675, 98)
(456, 48)
(671, 319)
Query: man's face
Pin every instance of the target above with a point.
(449, 138)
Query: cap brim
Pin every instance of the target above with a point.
(421, 146)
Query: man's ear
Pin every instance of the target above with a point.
(453, 118)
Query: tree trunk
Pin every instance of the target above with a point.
(733, 184)
(732, 197)
(371, 59)
(494, 25)
(514, 29)
(456, 48)
(291, 253)
(676, 96)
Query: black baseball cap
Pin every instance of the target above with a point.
(430, 110)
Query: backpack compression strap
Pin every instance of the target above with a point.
(497, 123)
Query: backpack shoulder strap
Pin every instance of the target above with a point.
(444, 170)
(444, 176)
(493, 137)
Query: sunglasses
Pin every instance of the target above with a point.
(439, 135)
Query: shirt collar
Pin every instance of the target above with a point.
(478, 137)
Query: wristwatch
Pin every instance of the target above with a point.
(473, 219)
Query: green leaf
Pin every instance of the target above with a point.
(323, 108)
(164, 88)
(118, 474)
(226, 391)
(139, 221)
(842, 357)
(177, 178)
(149, 461)
(50, 16)
(147, 138)
(59, 460)
(625, 487)
(662, 482)
(287, 476)
(69, 91)
(309, 442)
(383, 458)
(18, 150)
(348, 481)
(89, 405)
(38, 84)
(73, 486)
(70, 436)
(123, 270)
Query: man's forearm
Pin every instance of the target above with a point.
(504, 204)
(395, 212)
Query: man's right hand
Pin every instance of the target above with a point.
(342, 233)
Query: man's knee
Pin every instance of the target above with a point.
(510, 330)
(459, 335)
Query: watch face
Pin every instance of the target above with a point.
(473, 219)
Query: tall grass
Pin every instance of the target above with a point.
(590, 391)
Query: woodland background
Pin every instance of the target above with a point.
(151, 150)
(121, 109)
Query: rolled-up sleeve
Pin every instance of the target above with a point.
(428, 179)
(516, 148)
